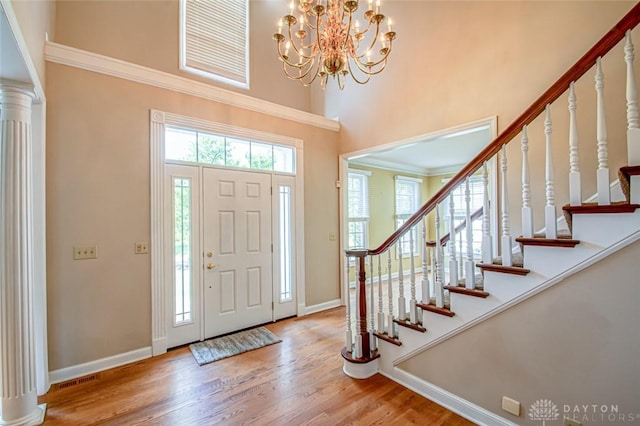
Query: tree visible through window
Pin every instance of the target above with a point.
(199, 147)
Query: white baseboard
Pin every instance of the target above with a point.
(460, 406)
(91, 367)
(322, 306)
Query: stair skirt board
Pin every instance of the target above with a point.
(460, 406)
(520, 297)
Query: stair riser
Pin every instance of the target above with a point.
(635, 189)
(505, 287)
(602, 230)
(550, 261)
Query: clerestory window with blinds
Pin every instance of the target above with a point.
(214, 40)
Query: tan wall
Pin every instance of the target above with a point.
(98, 193)
(456, 62)
(147, 33)
(36, 19)
(577, 343)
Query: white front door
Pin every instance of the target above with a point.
(237, 250)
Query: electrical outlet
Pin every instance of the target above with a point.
(570, 422)
(511, 406)
(85, 252)
(142, 247)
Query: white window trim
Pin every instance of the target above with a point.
(158, 122)
(416, 242)
(206, 74)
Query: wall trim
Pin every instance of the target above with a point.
(89, 61)
(68, 373)
(460, 406)
(322, 306)
(21, 43)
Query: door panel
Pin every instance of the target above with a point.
(237, 230)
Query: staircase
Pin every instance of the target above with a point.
(461, 287)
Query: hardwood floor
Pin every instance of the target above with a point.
(296, 382)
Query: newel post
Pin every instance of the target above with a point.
(360, 362)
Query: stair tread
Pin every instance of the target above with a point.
(476, 292)
(548, 242)
(516, 270)
(436, 310)
(384, 336)
(407, 323)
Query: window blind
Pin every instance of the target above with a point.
(216, 38)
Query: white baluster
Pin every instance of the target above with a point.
(604, 190)
(506, 233)
(402, 303)
(439, 269)
(372, 329)
(380, 301)
(453, 260)
(487, 240)
(550, 219)
(413, 311)
(461, 259)
(425, 269)
(575, 185)
(347, 292)
(357, 350)
(434, 275)
(390, 327)
(633, 132)
(469, 270)
(527, 213)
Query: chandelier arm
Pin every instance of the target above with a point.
(354, 76)
(369, 68)
(303, 70)
(299, 78)
(383, 59)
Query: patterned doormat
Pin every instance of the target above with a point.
(233, 344)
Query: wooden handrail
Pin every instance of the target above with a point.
(602, 47)
(445, 239)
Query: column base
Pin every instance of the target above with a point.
(35, 418)
(360, 368)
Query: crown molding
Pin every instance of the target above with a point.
(89, 61)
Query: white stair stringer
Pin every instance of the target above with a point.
(600, 235)
(506, 291)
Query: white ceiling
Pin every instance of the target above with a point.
(431, 156)
(12, 66)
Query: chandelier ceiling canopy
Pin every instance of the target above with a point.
(323, 38)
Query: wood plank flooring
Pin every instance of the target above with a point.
(296, 382)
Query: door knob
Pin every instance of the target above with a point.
(211, 266)
(209, 254)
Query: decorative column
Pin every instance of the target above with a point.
(18, 396)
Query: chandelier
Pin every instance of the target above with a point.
(325, 39)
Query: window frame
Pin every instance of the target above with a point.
(401, 217)
(362, 220)
(184, 59)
